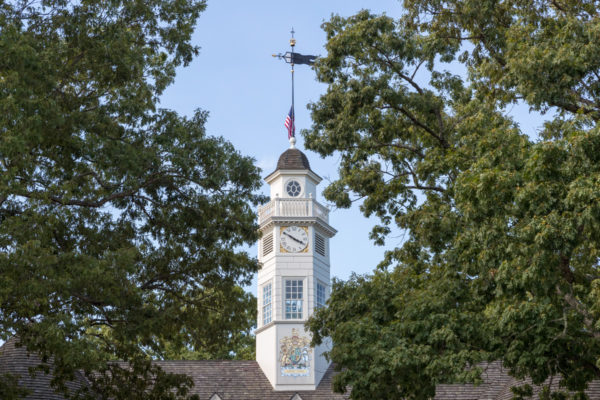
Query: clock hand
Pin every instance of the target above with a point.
(293, 238)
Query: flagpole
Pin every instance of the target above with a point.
(293, 138)
(293, 58)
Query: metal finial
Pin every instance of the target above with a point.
(292, 40)
(291, 57)
(292, 142)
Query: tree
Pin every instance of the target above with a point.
(120, 223)
(503, 226)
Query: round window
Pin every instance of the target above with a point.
(293, 188)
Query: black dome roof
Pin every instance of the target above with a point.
(293, 159)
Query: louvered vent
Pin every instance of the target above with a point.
(267, 244)
(320, 244)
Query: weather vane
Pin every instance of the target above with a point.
(293, 58)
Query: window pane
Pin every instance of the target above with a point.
(266, 310)
(320, 295)
(293, 298)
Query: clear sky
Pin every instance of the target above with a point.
(247, 93)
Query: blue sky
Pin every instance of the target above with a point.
(247, 93)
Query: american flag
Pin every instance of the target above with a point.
(289, 123)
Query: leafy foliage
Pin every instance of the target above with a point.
(501, 256)
(119, 222)
(10, 389)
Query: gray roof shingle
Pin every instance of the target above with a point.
(237, 380)
(230, 380)
(497, 385)
(293, 159)
(15, 360)
(244, 380)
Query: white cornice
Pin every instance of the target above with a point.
(280, 322)
(270, 221)
(279, 172)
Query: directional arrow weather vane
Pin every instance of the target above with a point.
(293, 58)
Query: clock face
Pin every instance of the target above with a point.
(294, 238)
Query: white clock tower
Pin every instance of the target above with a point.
(294, 278)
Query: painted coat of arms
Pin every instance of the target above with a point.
(294, 355)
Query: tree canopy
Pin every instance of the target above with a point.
(500, 260)
(120, 223)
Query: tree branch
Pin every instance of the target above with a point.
(418, 123)
(588, 318)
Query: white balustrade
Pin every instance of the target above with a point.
(293, 208)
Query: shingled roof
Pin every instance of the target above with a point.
(244, 380)
(15, 360)
(230, 380)
(497, 385)
(293, 159)
(494, 379)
